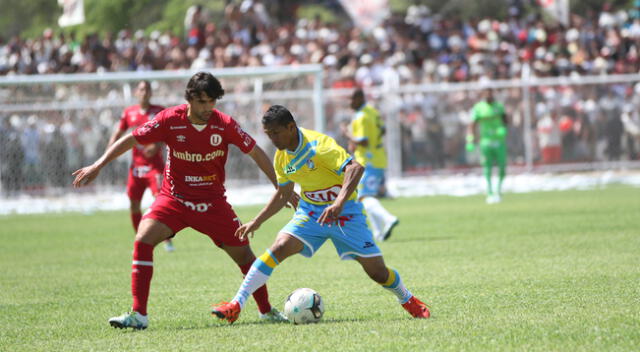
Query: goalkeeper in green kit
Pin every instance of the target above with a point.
(489, 115)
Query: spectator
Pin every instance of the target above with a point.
(11, 158)
(549, 138)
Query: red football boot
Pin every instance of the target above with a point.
(416, 308)
(229, 311)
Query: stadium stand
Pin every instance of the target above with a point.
(596, 122)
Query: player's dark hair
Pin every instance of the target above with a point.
(203, 82)
(277, 114)
(358, 93)
(146, 83)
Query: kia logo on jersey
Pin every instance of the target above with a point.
(324, 195)
(215, 140)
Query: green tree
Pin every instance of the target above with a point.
(30, 17)
(27, 17)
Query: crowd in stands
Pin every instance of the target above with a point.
(420, 45)
(588, 123)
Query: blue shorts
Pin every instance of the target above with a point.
(371, 181)
(351, 236)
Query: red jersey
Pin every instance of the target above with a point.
(134, 117)
(195, 158)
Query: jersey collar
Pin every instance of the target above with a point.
(300, 137)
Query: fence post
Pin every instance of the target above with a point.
(526, 106)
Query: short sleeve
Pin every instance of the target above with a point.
(238, 137)
(332, 156)
(281, 177)
(358, 128)
(152, 131)
(123, 125)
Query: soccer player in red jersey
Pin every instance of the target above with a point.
(147, 163)
(193, 195)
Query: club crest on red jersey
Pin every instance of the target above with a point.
(215, 140)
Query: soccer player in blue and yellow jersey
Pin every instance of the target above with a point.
(366, 144)
(329, 209)
(490, 116)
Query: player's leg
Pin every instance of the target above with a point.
(163, 220)
(501, 160)
(150, 233)
(353, 240)
(390, 280)
(302, 234)
(135, 190)
(243, 257)
(136, 213)
(487, 166)
(217, 220)
(381, 220)
(154, 183)
(367, 190)
(284, 246)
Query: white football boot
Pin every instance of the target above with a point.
(388, 227)
(168, 246)
(273, 316)
(132, 320)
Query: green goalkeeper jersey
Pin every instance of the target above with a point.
(489, 117)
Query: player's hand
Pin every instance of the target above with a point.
(246, 231)
(85, 175)
(150, 150)
(330, 215)
(352, 146)
(501, 132)
(293, 201)
(470, 146)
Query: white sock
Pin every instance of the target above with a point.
(377, 224)
(373, 207)
(256, 277)
(395, 285)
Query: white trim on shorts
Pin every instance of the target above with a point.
(346, 255)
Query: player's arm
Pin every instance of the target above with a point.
(356, 127)
(262, 160)
(88, 173)
(115, 135)
(471, 132)
(357, 141)
(277, 202)
(352, 173)
(471, 129)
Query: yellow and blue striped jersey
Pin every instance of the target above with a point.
(317, 165)
(367, 125)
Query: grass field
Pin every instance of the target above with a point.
(541, 271)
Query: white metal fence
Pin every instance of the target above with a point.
(597, 119)
(53, 124)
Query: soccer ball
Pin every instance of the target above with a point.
(304, 306)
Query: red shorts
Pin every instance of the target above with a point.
(214, 218)
(136, 185)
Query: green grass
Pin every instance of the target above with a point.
(541, 271)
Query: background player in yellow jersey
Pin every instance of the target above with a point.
(329, 209)
(365, 135)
